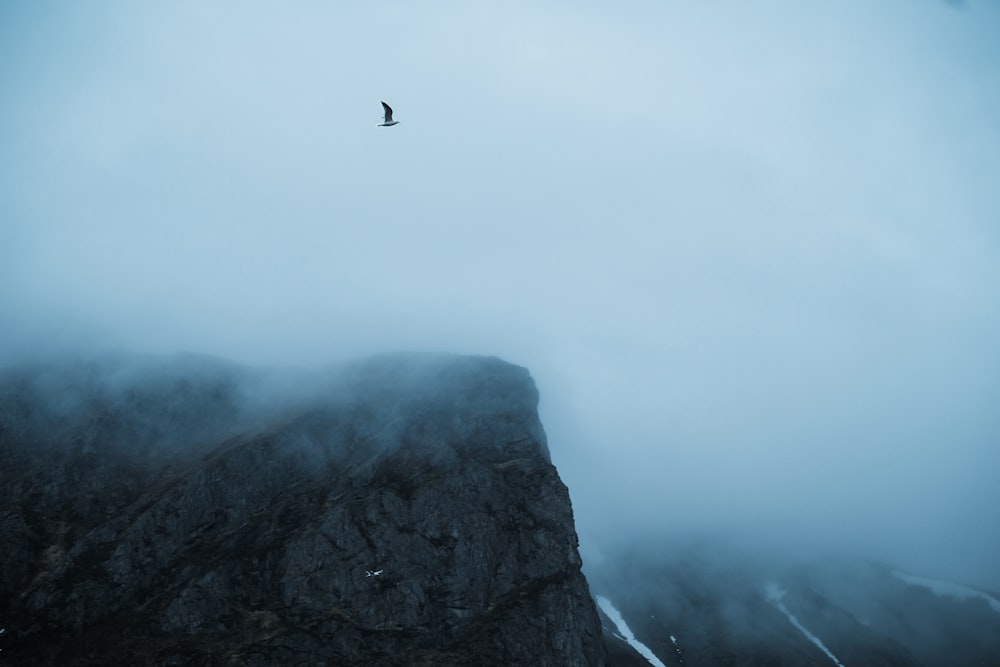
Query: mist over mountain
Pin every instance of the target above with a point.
(401, 510)
(748, 251)
(714, 602)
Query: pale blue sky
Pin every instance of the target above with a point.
(750, 250)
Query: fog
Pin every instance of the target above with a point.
(749, 251)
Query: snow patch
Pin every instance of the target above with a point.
(776, 596)
(948, 589)
(677, 649)
(626, 633)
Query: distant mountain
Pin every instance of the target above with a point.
(712, 606)
(397, 511)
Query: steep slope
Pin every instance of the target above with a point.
(711, 605)
(399, 511)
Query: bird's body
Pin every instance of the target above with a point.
(389, 122)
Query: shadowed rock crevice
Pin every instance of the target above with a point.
(398, 511)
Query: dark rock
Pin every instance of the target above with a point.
(399, 511)
(710, 605)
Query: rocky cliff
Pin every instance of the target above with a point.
(398, 511)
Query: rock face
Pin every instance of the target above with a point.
(398, 511)
(710, 605)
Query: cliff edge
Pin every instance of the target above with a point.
(397, 511)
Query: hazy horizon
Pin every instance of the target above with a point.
(749, 252)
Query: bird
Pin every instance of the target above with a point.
(388, 116)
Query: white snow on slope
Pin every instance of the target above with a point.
(775, 596)
(948, 588)
(626, 632)
(677, 648)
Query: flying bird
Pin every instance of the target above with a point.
(388, 116)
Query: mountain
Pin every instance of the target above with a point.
(710, 604)
(401, 510)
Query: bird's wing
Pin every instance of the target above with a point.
(388, 112)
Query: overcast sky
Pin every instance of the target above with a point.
(749, 250)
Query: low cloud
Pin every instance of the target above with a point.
(749, 256)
